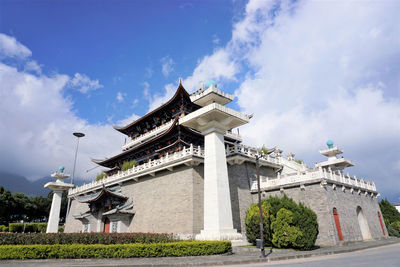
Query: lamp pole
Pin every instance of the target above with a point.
(78, 135)
(260, 209)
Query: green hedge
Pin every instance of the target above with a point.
(83, 238)
(3, 228)
(78, 251)
(29, 227)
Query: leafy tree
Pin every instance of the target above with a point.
(301, 217)
(390, 214)
(6, 205)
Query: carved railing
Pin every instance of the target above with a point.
(143, 168)
(152, 133)
(309, 175)
(251, 152)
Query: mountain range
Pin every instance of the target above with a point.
(17, 183)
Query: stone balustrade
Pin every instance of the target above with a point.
(309, 175)
(152, 133)
(251, 152)
(140, 170)
(164, 162)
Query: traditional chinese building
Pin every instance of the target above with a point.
(193, 177)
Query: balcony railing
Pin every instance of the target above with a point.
(150, 134)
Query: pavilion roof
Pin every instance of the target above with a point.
(96, 196)
(179, 91)
(102, 162)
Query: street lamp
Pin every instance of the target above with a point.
(78, 135)
(261, 244)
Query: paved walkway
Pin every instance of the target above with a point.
(240, 255)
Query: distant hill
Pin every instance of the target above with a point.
(17, 183)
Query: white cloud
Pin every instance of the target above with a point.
(33, 66)
(10, 47)
(149, 72)
(120, 97)
(37, 123)
(84, 84)
(321, 70)
(215, 39)
(167, 66)
(135, 102)
(314, 71)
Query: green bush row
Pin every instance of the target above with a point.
(78, 251)
(83, 238)
(29, 227)
(285, 223)
(3, 228)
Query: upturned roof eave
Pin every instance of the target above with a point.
(180, 89)
(174, 124)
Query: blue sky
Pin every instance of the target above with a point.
(123, 44)
(309, 71)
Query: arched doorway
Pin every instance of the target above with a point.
(337, 223)
(380, 221)
(107, 225)
(362, 221)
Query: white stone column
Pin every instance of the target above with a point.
(57, 187)
(218, 223)
(54, 216)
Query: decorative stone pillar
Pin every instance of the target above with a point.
(218, 223)
(57, 187)
(213, 120)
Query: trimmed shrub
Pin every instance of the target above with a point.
(78, 251)
(16, 227)
(252, 222)
(61, 228)
(285, 234)
(83, 238)
(29, 227)
(303, 218)
(128, 165)
(3, 228)
(41, 227)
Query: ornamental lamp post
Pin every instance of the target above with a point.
(261, 242)
(78, 135)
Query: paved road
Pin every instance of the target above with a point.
(386, 256)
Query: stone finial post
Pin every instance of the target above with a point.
(57, 187)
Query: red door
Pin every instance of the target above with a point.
(337, 223)
(107, 226)
(380, 220)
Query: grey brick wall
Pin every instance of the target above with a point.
(322, 200)
(172, 202)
